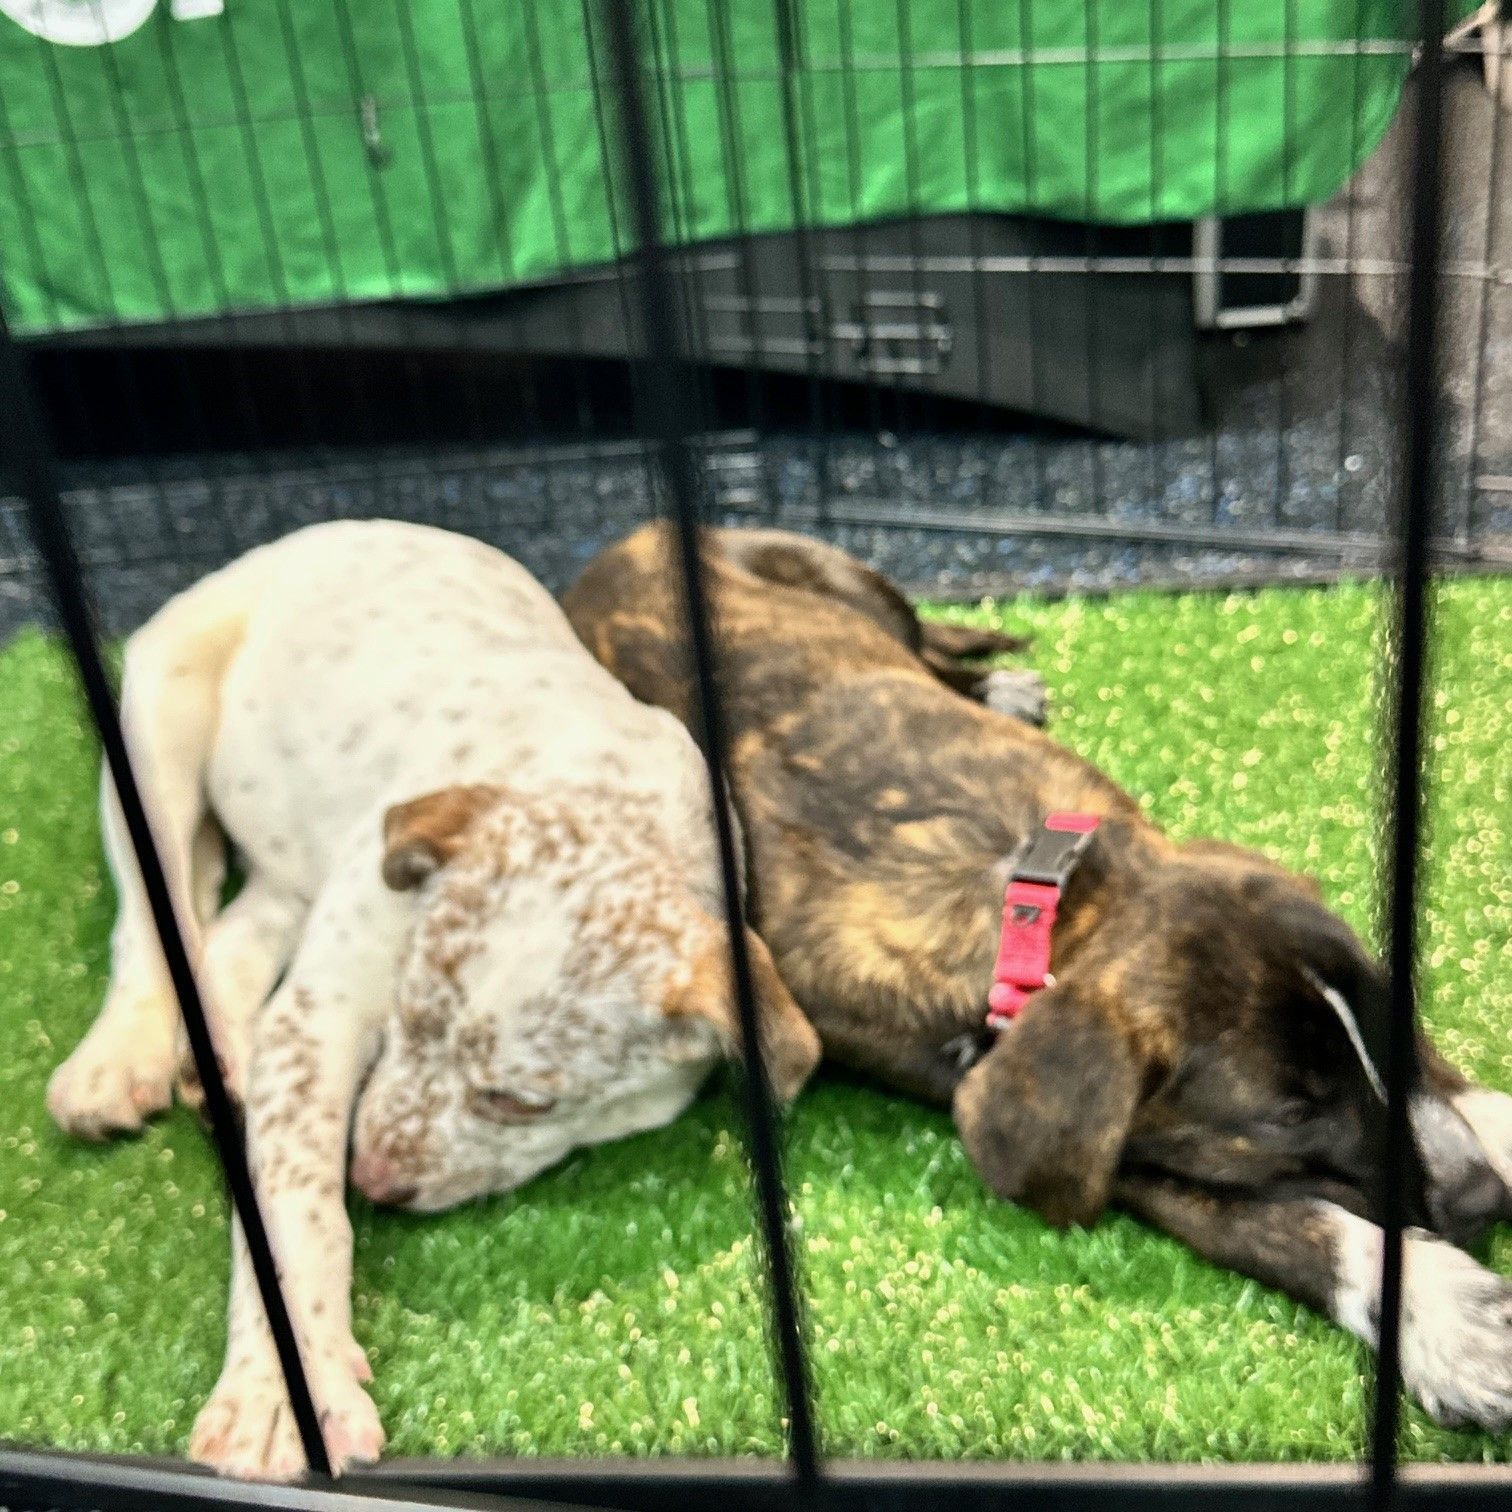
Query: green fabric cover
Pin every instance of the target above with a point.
(199, 166)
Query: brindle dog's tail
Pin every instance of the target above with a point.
(965, 643)
(954, 653)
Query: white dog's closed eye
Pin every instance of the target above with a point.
(500, 1106)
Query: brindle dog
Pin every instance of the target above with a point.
(1206, 1056)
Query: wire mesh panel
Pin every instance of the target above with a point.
(1048, 295)
(932, 205)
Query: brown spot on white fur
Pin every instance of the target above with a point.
(423, 834)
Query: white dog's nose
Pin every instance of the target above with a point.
(374, 1176)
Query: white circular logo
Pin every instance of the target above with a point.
(79, 23)
(93, 23)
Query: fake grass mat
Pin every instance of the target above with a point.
(614, 1305)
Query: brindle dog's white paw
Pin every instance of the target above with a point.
(247, 1428)
(1489, 1115)
(1016, 691)
(119, 1076)
(1456, 1336)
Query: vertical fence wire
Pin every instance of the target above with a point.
(305, 111)
(1152, 283)
(1030, 283)
(602, 77)
(1501, 111)
(884, 413)
(800, 24)
(859, 238)
(1093, 283)
(618, 194)
(493, 172)
(383, 218)
(439, 201)
(215, 262)
(1281, 510)
(94, 247)
(666, 42)
(665, 389)
(1410, 635)
(813, 321)
(262, 203)
(926, 405)
(1222, 95)
(747, 301)
(305, 381)
(971, 167)
(330, 240)
(540, 90)
(37, 257)
(1349, 295)
(28, 454)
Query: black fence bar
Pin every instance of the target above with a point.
(747, 1485)
(121, 1483)
(42, 1482)
(668, 399)
(1410, 635)
(26, 451)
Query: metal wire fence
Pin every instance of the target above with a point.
(239, 253)
(895, 322)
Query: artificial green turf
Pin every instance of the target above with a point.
(613, 1305)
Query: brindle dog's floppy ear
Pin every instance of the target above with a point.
(790, 1046)
(1330, 958)
(421, 836)
(1044, 1114)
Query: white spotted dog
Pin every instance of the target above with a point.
(479, 925)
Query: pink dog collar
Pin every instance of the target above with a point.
(1030, 904)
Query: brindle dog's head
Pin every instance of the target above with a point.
(1218, 1026)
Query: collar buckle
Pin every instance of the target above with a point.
(1050, 854)
(1039, 870)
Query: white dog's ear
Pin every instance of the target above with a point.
(422, 835)
(789, 1045)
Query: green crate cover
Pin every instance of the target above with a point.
(304, 152)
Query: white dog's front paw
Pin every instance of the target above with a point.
(118, 1078)
(1016, 691)
(1456, 1336)
(247, 1428)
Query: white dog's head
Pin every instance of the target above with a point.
(564, 984)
